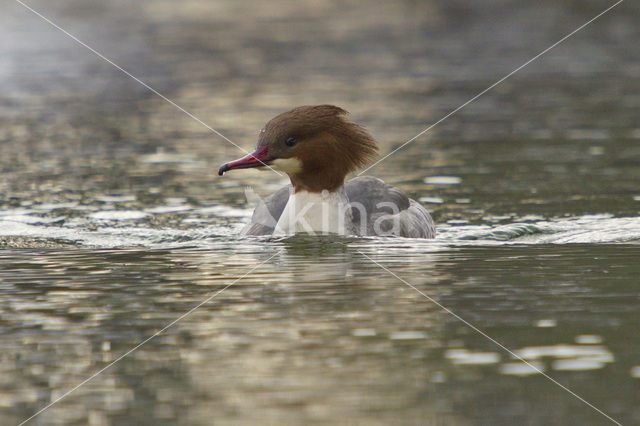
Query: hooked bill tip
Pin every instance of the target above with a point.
(224, 168)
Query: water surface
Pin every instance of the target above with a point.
(113, 222)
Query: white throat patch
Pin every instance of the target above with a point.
(287, 165)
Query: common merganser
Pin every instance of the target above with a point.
(317, 146)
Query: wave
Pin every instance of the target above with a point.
(28, 228)
(582, 229)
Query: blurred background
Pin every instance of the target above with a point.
(113, 220)
(565, 126)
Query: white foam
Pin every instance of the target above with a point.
(124, 198)
(118, 215)
(225, 211)
(172, 208)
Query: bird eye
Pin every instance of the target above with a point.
(291, 141)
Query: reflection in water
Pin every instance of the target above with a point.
(260, 337)
(318, 330)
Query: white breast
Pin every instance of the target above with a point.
(316, 213)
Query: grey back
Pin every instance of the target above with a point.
(376, 207)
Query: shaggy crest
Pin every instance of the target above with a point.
(328, 145)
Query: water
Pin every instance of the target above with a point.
(114, 223)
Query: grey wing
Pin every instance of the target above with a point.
(416, 222)
(381, 209)
(266, 214)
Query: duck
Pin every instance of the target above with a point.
(317, 146)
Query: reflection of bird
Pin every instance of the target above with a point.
(317, 146)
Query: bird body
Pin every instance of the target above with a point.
(317, 147)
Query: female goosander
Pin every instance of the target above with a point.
(317, 146)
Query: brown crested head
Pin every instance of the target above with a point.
(317, 146)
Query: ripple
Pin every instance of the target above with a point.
(588, 339)
(168, 209)
(577, 364)
(467, 357)
(583, 229)
(116, 198)
(407, 335)
(431, 200)
(521, 368)
(168, 223)
(505, 232)
(587, 353)
(118, 215)
(546, 323)
(225, 211)
(443, 180)
(364, 332)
